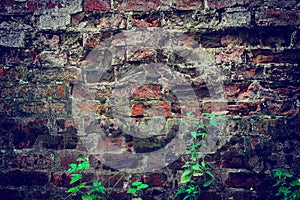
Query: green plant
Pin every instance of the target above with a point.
(288, 186)
(136, 186)
(88, 191)
(197, 173)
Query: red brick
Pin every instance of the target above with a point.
(96, 5)
(214, 107)
(282, 108)
(33, 161)
(136, 5)
(113, 180)
(245, 108)
(9, 74)
(145, 21)
(244, 180)
(155, 179)
(147, 92)
(239, 91)
(230, 55)
(141, 55)
(12, 7)
(115, 21)
(189, 4)
(33, 5)
(233, 41)
(138, 109)
(25, 135)
(268, 56)
(96, 39)
(161, 108)
(61, 179)
(76, 18)
(111, 143)
(67, 159)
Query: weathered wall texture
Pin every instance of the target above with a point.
(45, 43)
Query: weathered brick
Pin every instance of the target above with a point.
(269, 56)
(110, 143)
(231, 55)
(42, 6)
(61, 179)
(136, 5)
(12, 38)
(147, 92)
(145, 21)
(141, 55)
(33, 161)
(281, 107)
(24, 178)
(239, 18)
(244, 180)
(244, 108)
(218, 4)
(96, 39)
(98, 75)
(112, 180)
(239, 91)
(277, 17)
(156, 179)
(24, 136)
(12, 7)
(189, 5)
(9, 74)
(115, 21)
(96, 5)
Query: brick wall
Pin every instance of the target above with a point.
(62, 65)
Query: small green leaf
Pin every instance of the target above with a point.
(75, 178)
(195, 122)
(185, 177)
(142, 186)
(295, 183)
(201, 126)
(196, 167)
(207, 183)
(210, 165)
(132, 191)
(87, 197)
(287, 174)
(84, 165)
(213, 122)
(72, 167)
(203, 164)
(189, 114)
(80, 159)
(194, 134)
(77, 188)
(136, 183)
